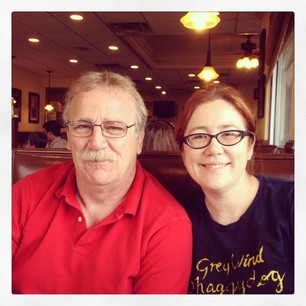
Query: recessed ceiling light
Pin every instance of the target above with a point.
(114, 48)
(158, 87)
(163, 92)
(72, 60)
(76, 17)
(148, 79)
(191, 75)
(34, 40)
(216, 81)
(196, 87)
(134, 67)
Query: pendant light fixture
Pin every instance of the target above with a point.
(49, 107)
(200, 20)
(208, 73)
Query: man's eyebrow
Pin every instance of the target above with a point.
(82, 119)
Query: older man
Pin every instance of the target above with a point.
(100, 224)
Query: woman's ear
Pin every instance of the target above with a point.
(251, 148)
(183, 156)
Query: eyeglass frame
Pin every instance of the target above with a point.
(243, 135)
(101, 127)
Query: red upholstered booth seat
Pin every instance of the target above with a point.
(167, 167)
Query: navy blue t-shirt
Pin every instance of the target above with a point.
(254, 255)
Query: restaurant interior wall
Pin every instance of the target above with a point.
(29, 82)
(26, 81)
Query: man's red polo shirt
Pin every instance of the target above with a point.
(144, 246)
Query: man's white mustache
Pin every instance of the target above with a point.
(99, 156)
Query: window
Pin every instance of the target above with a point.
(282, 98)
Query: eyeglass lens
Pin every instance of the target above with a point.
(109, 128)
(226, 138)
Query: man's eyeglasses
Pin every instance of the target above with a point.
(226, 138)
(111, 129)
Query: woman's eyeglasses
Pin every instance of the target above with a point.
(226, 138)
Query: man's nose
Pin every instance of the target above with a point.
(97, 139)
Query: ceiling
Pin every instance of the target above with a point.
(155, 41)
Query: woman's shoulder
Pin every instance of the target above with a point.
(276, 184)
(277, 192)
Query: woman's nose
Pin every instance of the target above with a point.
(214, 147)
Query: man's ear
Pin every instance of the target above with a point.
(140, 141)
(68, 142)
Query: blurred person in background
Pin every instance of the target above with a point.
(36, 140)
(160, 136)
(53, 131)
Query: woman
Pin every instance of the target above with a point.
(242, 224)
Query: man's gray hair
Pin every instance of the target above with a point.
(92, 79)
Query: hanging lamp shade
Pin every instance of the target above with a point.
(49, 107)
(208, 73)
(200, 20)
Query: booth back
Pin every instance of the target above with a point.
(167, 167)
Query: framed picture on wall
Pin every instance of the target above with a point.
(33, 107)
(16, 95)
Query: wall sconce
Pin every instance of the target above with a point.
(200, 20)
(208, 73)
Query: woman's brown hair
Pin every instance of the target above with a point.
(210, 93)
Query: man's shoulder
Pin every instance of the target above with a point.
(50, 173)
(160, 198)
